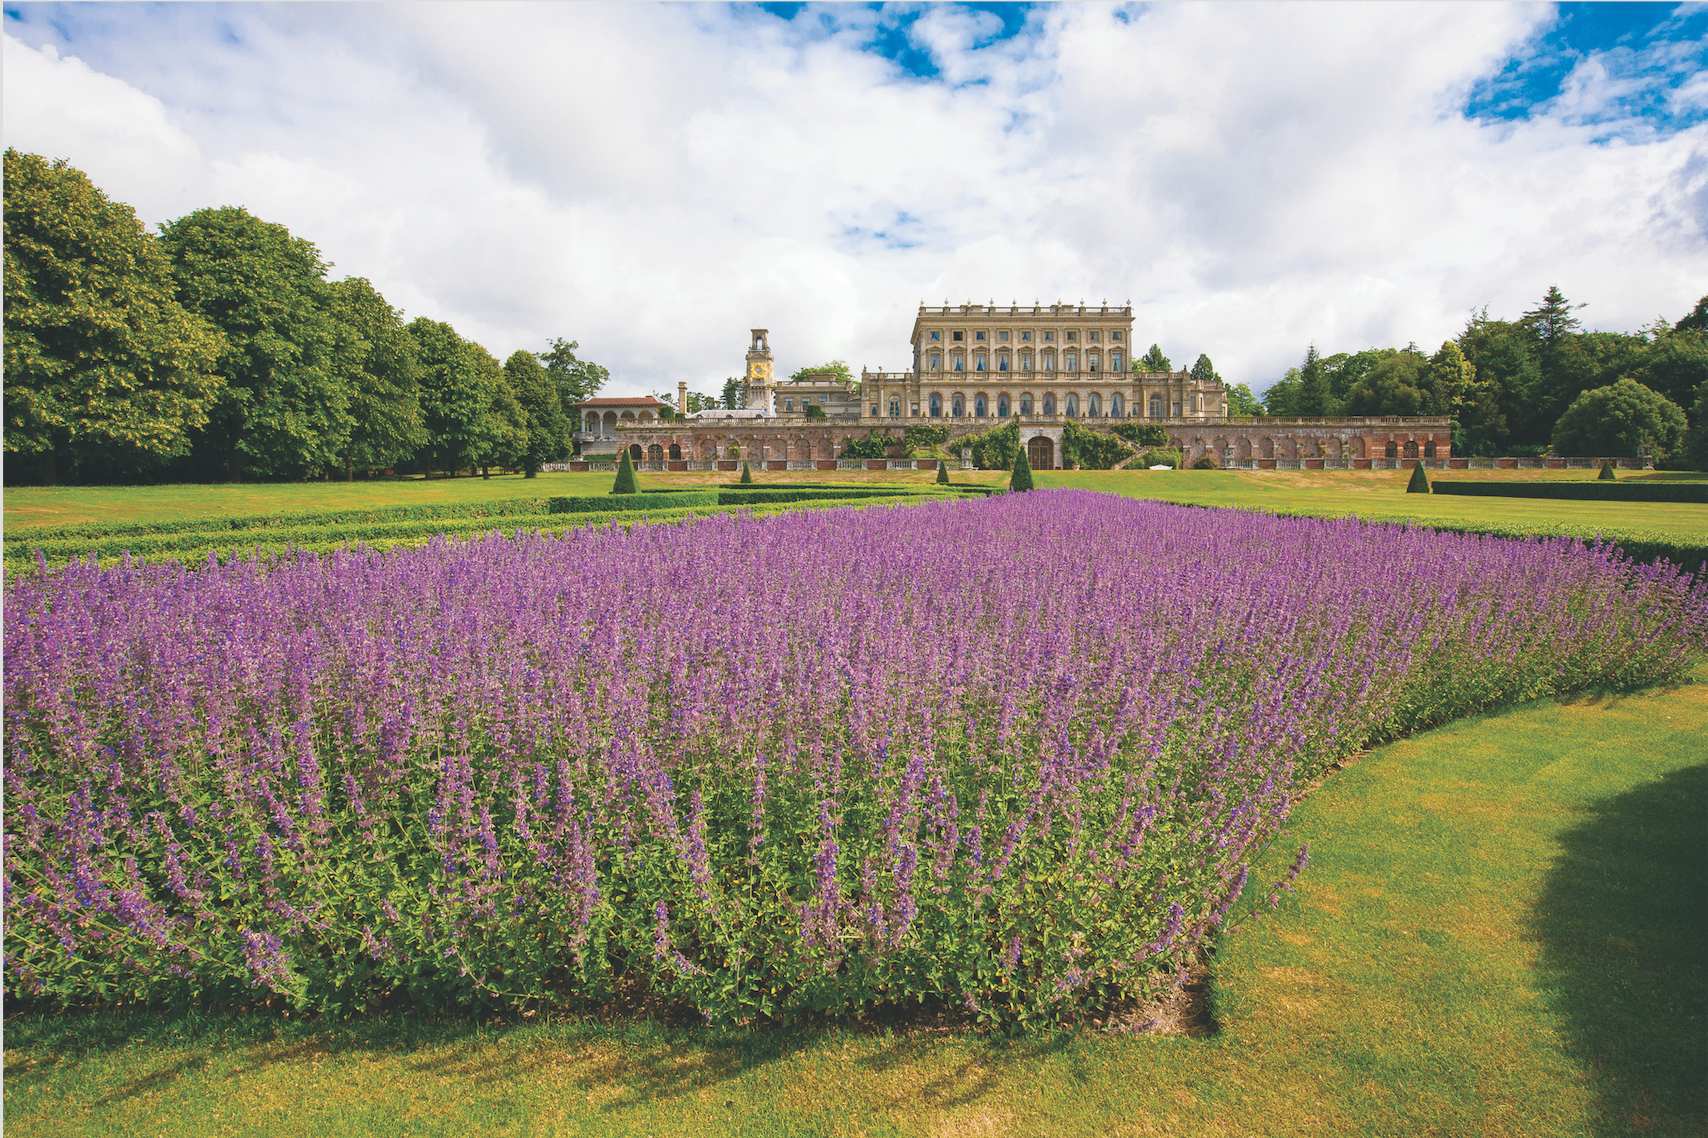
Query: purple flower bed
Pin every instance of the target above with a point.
(1016, 754)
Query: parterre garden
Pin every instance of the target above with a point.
(1019, 761)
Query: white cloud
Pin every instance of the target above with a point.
(654, 180)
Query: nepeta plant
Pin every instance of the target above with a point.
(1017, 753)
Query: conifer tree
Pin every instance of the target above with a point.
(1021, 479)
(1607, 474)
(746, 475)
(625, 483)
(942, 474)
(1419, 483)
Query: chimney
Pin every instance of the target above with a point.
(681, 397)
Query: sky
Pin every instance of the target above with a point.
(654, 180)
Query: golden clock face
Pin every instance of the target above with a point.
(759, 371)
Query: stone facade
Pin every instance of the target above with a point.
(979, 366)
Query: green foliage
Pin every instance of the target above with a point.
(1206, 463)
(456, 393)
(1020, 480)
(1697, 321)
(1602, 488)
(104, 368)
(995, 449)
(1393, 387)
(1242, 402)
(1168, 458)
(548, 428)
(1153, 360)
(1552, 320)
(626, 483)
(746, 475)
(1617, 419)
(502, 439)
(837, 368)
(1697, 452)
(815, 411)
(1091, 449)
(923, 437)
(1607, 474)
(382, 376)
(1676, 365)
(735, 394)
(1419, 482)
(871, 446)
(576, 379)
(283, 412)
(942, 474)
(1204, 371)
(1313, 397)
(1141, 435)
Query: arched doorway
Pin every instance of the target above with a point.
(634, 452)
(1041, 453)
(1094, 405)
(675, 452)
(655, 453)
(958, 407)
(733, 453)
(978, 406)
(1411, 448)
(1392, 450)
(1116, 406)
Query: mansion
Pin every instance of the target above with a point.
(979, 366)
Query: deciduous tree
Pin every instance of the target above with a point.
(1614, 421)
(576, 378)
(548, 428)
(284, 411)
(455, 394)
(381, 375)
(104, 368)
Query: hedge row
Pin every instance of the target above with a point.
(625, 503)
(750, 496)
(223, 544)
(1593, 491)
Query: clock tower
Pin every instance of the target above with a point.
(761, 381)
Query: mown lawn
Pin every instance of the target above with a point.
(1373, 494)
(1500, 933)
(1381, 496)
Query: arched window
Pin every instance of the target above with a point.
(675, 452)
(1156, 406)
(895, 408)
(1115, 406)
(634, 452)
(1094, 405)
(1429, 449)
(655, 453)
(1071, 409)
(958, 407)
(1050, 404)
(1002, 406)
(1411, 448)
(936, 406)
(1392, 450)
(978, 406)
(1026, 404)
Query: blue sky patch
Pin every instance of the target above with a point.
(1648, 50)
(891, 36)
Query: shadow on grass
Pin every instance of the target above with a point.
(1622, 921)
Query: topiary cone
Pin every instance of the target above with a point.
(1021, 479)
(942, 473)
(625, 483)
(746, 475)
(1419, 483)
(1607, 474)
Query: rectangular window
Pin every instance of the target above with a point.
(936, 361)
(788, 404)
(960, 361)
(1115, 336)
(1091, 361)
(936, 335)
(1025, 361)
(1049, 359)
(1092, 337)
(1002, 337)
(874, 410)
(978, 335)
(1177, 410)
(915, 411)
(959, 336)
(1114, 361)
(978, 362)
(1025, 336)
(1072, 335)
(1001, 363)
(1071, 361)
(1048, 336)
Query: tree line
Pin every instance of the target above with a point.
(1521, 387)
(218, 349)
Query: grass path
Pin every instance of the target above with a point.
(1500, 933)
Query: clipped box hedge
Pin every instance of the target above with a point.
(1589, 491)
